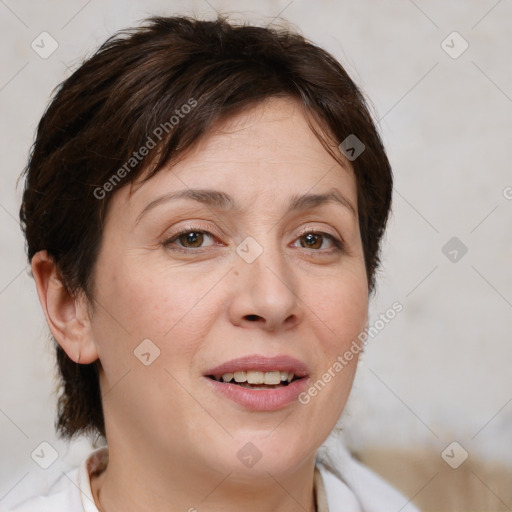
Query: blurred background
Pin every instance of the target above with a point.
(431, 408)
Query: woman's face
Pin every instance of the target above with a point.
(249, 249)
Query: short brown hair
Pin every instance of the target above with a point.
(136, 86)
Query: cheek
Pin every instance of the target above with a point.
(343, 309)
(174, 308)
(347, 314)
(342, 304)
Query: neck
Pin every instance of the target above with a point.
(140, 481)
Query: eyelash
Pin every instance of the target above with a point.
(339, 245)
(168, 243)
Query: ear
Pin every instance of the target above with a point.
(67, 317)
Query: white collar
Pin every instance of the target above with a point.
(341, 483)
(95, 463)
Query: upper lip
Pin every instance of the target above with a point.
(261, 363)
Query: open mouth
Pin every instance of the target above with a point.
(259, 383)
(257, 379)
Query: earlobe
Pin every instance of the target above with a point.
(67, 316)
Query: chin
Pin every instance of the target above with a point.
(259, 454)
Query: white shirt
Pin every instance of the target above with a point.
(341, 485)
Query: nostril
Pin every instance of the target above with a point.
(252, 318)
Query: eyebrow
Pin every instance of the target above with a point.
(306, 201)
(222, 201)
(213, 198)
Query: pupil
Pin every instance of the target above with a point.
(192, 239)
(312, 240)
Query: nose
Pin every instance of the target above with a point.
(265, 294)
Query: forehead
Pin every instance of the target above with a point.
(257, 156)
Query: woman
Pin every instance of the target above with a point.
(203, 208)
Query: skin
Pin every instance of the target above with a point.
(173, 442)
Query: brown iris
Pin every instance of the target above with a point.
(191, 239)
(311, 241)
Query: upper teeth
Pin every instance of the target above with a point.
(255, 377)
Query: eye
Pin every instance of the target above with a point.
(191, 239)
(317, 241)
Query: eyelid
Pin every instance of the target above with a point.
(320, 231)
(169, 237)
(314, 229)
(191, 225)
(195, 226)
(337, 239)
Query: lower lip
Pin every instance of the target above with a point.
(260, 399)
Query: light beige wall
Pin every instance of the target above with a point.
(437, 373)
